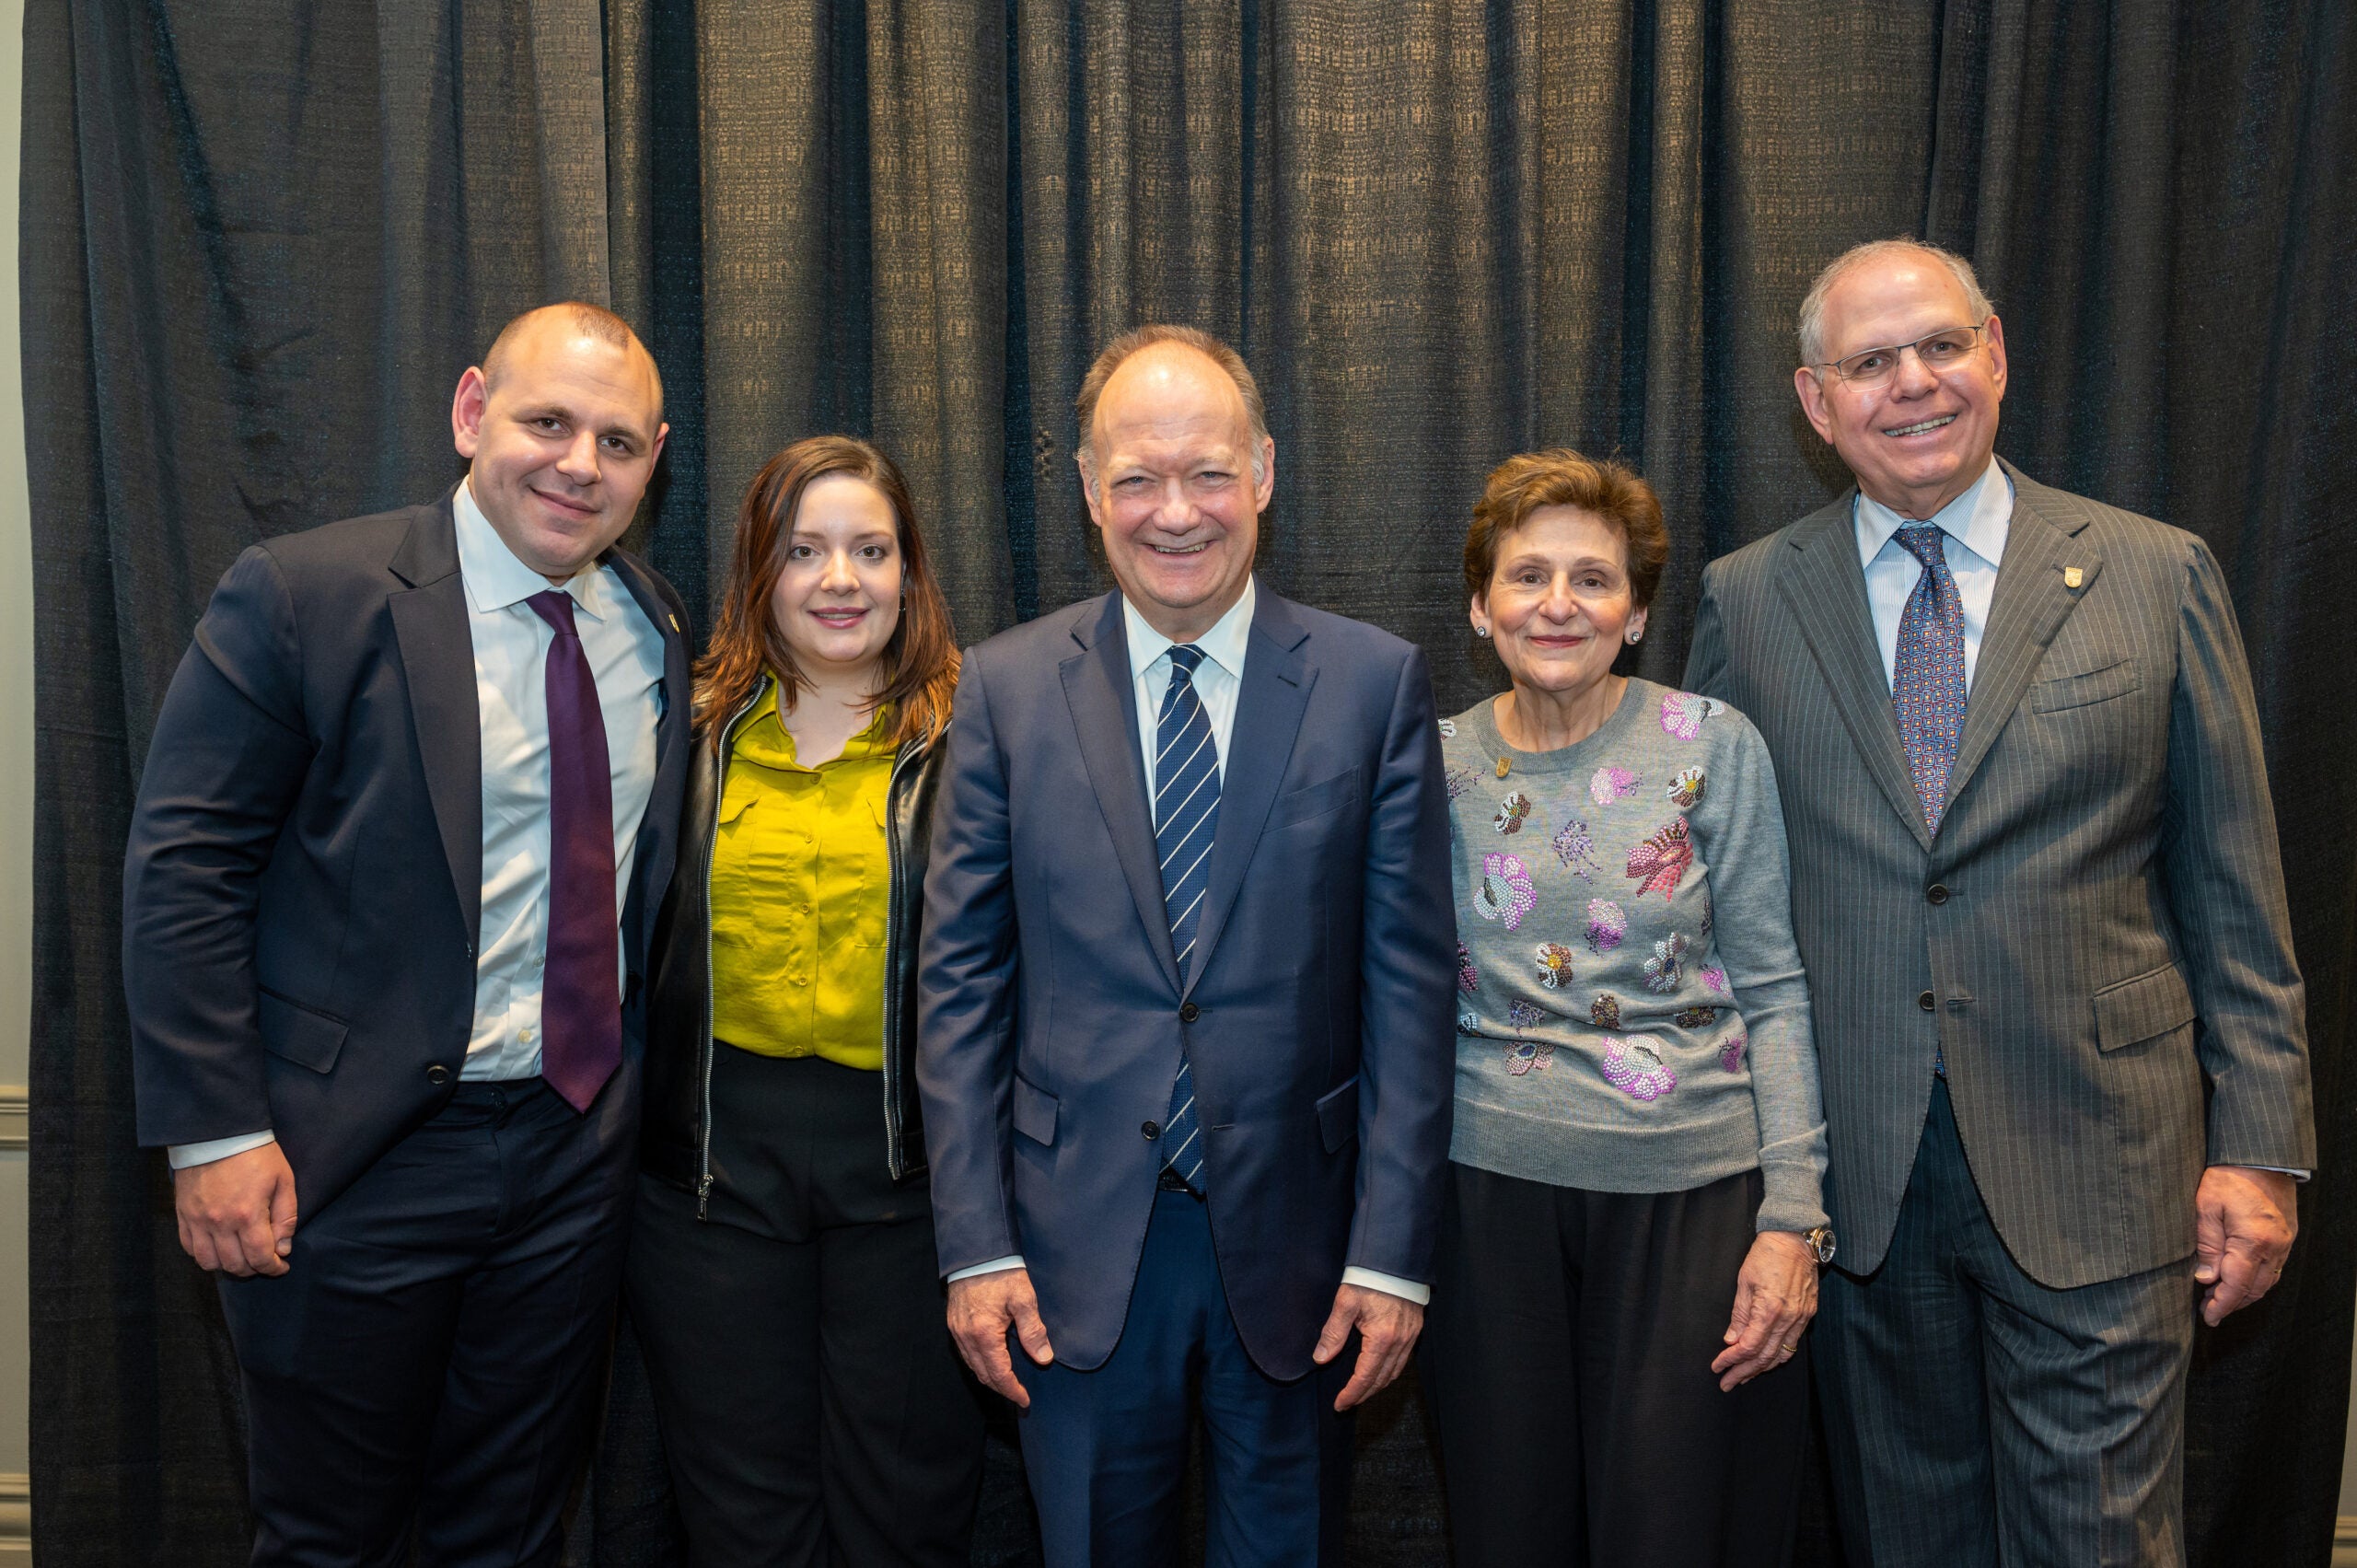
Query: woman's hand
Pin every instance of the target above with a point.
(1775, 1296)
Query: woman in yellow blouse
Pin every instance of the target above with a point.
(781, 1275)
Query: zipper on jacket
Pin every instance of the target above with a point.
(711, 845)
(893, 1023)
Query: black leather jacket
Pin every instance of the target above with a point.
(675, 1143)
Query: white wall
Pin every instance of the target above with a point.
(16, 822)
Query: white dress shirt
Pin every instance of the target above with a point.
(1218, 679)
(1976, 524)
(511, 645)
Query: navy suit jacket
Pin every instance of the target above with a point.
(1317, 1012)
(303, 886)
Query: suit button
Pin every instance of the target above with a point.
(1189, 1012)
(437, 1074)
(1927, 1002)
(1152, 1129)
(1937, 892)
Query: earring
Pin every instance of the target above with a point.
(1634, 637)
(1483, 633)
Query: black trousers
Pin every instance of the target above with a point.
(813, 1407)
(1976, 1417)
(1567, 1361)
(436, 1346)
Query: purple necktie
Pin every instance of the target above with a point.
(581, 1001)
(1927, 680)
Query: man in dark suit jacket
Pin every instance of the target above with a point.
(2035, 881)
(406, 820)
(1186, 1050)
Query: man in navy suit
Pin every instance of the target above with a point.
(1186, 1041)
(409, 811)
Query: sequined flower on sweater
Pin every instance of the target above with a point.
(1513, 811)
(1634, 1067)
(1697, 1017)
(1554, 964)
(1468, 978)
(1686, 789)
(1468, 1023)
(1682, 712)
(1607, 924)
(1666, 968)
(1505, 892)
(1658, 863)
(1576, 849)
(1604, 1011)
(1460, 780)
(1525, 1055)
(1448, 729)
(1731, 1051)
(1612, 783)
(1715, 980)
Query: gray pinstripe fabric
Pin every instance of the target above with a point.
(2114, 929)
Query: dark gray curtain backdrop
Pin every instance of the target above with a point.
(262, 238)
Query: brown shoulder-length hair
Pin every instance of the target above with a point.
(1561, 477)
(919, 662)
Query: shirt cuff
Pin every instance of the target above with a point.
(186, 1154)
(996, 1265)
(2281, 1170)
(1389, 1285)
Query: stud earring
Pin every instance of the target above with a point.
(1483, 633)
(1634, 637)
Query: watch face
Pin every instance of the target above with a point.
(1821, 1238)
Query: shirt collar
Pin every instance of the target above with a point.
(496, 579)
(1223, 645)
(1978, 519)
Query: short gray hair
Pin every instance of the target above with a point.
(1812, 317)
(1140, 338)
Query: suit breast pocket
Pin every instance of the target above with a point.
(1313, 801)
(2086, 688)
(301, 1035)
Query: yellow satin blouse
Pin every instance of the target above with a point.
(801, 884)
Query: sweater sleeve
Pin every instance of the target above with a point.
(1752, 929)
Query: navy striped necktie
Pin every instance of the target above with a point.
(1186, 816)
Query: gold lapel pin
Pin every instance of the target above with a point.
(674, 619)
(2073, 576)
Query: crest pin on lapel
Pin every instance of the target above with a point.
(2073, 576)
(675, 620)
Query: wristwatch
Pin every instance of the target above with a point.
(1820, 1241)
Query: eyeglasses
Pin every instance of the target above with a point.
(1942, 351)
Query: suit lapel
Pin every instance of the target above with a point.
(1105, 711)
(1268, 707)
(1826, 587)
(2030, 606)
(671, 731)
(438, 661)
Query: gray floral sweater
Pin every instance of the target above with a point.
(1632, 1011)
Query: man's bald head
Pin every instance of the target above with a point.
(576, 317)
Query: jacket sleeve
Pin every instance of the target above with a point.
(227, 760)
(1706, 656)
(1408, 1048)
(2222, 869)
(965, 992)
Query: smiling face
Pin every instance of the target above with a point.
(561, 438)
(1558, 604)
(1172, 488)
(837, 597)
(1921, 439)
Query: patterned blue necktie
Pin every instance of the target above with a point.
(1927, 682)
(1185, 816)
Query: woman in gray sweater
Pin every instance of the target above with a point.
(1634, 1220)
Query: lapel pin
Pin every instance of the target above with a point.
(2073, 576)
(2075, 582)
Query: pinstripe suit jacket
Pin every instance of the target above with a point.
(2096, 938)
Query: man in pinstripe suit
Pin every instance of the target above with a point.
(2035, 879)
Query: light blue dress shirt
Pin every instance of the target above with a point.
(1976, 524)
